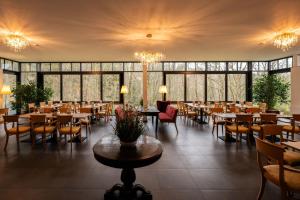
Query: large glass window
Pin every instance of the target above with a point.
(11, 80)
(216, 87)
(26, 77)
(71, 87)
(195, 87)
(175, 87)
(134, 82)
(111, 87)
(236, 87)
(216, 66)
(285, 107)
(91, 87)
(53, 82)
(155, 80)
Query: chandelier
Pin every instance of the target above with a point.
(16, 41)
(285, 41)
(149, 57)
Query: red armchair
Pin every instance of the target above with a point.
(162, 105)
(169, 116)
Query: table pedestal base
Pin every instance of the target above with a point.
(127, 191)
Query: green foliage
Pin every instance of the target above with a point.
(271, 89)
(29, 93)
(130, 127)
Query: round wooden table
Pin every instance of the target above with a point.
(109, 152)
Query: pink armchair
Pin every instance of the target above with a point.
(169, 116)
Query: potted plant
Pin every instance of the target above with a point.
(29, 93)
(128, 127)
(271, 89)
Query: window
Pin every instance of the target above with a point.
(76, 67)
(106, 66)
(274, 65)
(111, 87)
(71, 87)
(118, 66)
(155, 80)
(237, 66)
(86, 67)
(53, 82)
(195, 87)
(55, 67)
(236, 87)
(26, 77)
(11, 80)
(216, 66)
(96, 67)
(16, 66)
(216, 87)
(200, 66)
(25, 67)
(175, 87)
(134, 83)
(8, 65)
(179, 66)
(282, 64)
(91, 87)
(155, 67)
(128, 67)
(66, 67)
(259, 66)
(285, 107)
(191, 66)
(45, 67)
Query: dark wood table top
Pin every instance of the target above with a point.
(148, 110)
(108, 151)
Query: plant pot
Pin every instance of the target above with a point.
(128, 144)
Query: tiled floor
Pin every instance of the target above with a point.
(195, 165)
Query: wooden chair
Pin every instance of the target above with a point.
(253, 110)
(263, 107)
(103, 112)
(248, 103)
(66, 127)
(272, 130)
(65, 110)
(86, 122)
(180, 107)
(292, 128)
(50, 103)
(40, 126)
(234, 109)
(287, 178)
(189, 113)
(216, 121)
(265, 118)
(242, 125)
(15, 129)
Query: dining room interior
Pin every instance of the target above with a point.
(142, 100)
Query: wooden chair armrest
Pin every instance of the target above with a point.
(292, 169)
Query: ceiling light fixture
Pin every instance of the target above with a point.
(149, 57)
(285, 41)
(16, 41)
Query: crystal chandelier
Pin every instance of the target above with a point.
(16, 41)
(148, 57)
(285, 41)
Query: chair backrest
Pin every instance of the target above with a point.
(234, 109)
(85, 110)
(217, 110)
(64, 110)
(253, 110)
(296, 117)
(14, 119)
(42, 104)
(162, 105)
(64, 120)
(3, 111)
(47, 110)
(271, 130)
(244, 119)
(248, 103)
(37, 120)
(268, 118)
(50, 103)
(172, 112)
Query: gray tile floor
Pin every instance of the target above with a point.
(195, 165)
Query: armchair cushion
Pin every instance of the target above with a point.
(168, 116)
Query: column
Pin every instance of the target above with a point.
(295, 85)
(145, 86)
(1, 84)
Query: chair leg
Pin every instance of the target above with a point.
(217, 130)
(6, 142)
(71, 136)
(18, 139)
(176, 127)
(213, 129)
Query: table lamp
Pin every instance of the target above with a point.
(163, 90)
(5, 91)
(124, 90)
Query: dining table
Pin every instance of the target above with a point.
(200, 109)
(293, 145)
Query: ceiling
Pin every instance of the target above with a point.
(112, 30)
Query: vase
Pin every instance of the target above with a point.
(128, 144)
